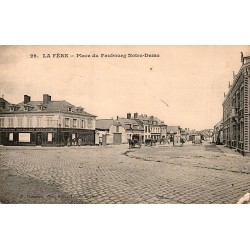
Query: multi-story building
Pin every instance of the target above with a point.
(236, 110)
(153, 127)
(143, 120)
(46, 123)
(132, 127)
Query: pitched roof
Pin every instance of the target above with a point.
(104, 123)
(52, 106)
(7, 104)
(174, 129)
(130, 124)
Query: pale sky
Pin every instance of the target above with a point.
(190, 79)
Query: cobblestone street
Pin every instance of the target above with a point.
(115, 174)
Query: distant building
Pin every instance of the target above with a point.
(132, 126)
(45, 123)
(174, 132)
(218, 133)
(110, 131)
(153, 127)
(236, 110)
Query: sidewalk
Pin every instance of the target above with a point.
(229, 151)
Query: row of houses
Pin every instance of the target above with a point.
(120, 130)
(233, 129)
(60, 123)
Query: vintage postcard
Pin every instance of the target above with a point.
(124, 124)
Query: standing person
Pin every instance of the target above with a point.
(68, 142)
(182, 141)
(79, 142)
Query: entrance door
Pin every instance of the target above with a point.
(104, 140)
(39, 139)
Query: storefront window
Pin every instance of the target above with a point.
(50, 136)
(10, 136)
(24, 137)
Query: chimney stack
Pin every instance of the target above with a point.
(2, 103)
(128, 115)
(26, 99)
(136, 115)
(46, 98)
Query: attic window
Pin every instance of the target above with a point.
(70, 109)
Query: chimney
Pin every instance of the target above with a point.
(26, 99)
(136, 115)
(117, 118)
(46, 98)
(3, 104)
(128, 115)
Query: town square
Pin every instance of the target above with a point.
(146, 140)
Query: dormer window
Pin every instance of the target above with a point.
(70, 109)
(79, 109)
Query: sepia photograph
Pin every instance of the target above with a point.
(125, 124)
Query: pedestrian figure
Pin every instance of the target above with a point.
(193, 142)
(68, 142)
(182, 141)
(79, 142)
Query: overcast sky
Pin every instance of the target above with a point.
(190, 79)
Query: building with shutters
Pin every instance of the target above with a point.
(45, 123)
(236, 121)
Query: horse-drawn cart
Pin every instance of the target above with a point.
(135, 141)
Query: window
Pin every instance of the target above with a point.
(146, 129)
(39, 121)
(10, 136)
(49, 136)
(74, 123)
(49, 121)
(117, 129)
(89, 123)
(70, 109)
(82, 124)
(29, 122)
(24, 137)
(19, 121)
(1, 122)
(66, 122)
(11, 122)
